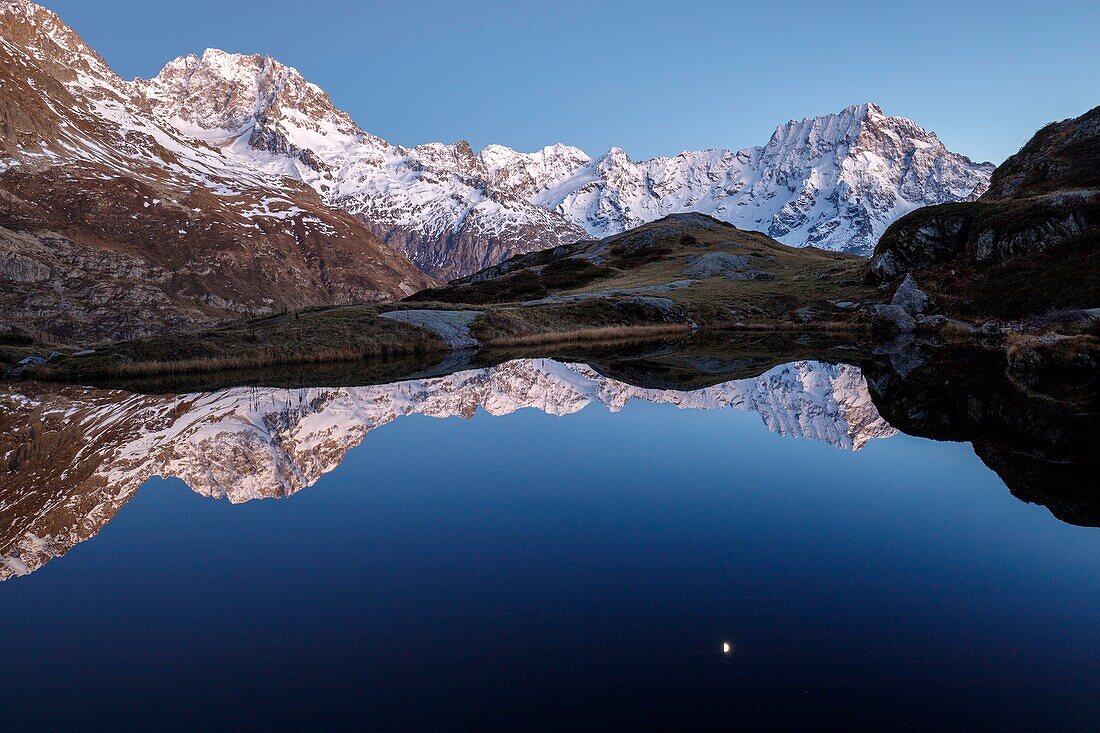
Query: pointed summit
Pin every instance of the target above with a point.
(231, 92)
(615, 157)
(867, 110)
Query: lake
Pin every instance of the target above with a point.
(905, 540)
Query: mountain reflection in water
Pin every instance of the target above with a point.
(76, 455)
(79, 454)
(499, 572)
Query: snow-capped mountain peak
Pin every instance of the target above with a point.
(229, 91)
(524, 174)
(219, 97)
(835, 181)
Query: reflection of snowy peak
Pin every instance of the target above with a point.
(249, 443)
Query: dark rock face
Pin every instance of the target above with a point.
(983, 233)
(926, 237)
(274, 141)
(1045, 196)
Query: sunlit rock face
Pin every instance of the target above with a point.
(117, 222)
(76, 455)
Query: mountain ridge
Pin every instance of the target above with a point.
(873, 168)
(249, 191)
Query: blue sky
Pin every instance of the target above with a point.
(653, 78)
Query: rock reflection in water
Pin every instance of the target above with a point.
(1041, 436)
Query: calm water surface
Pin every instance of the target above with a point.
(557, 564)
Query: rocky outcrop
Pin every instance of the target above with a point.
(910, 297)
(63, 291)
(889, 317)
(723, 264)
(905, 311)
(16, 266)
(986, 232)
(924, 238)
(452, 326)
(1046, 195)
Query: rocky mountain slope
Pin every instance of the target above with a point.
(114, 223)
(76, 455)
(1028, 247)
(834, 181)
(669, 278)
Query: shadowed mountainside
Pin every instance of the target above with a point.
(1027, 246)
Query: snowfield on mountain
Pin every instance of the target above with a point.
(236, 124)
(835, 181)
